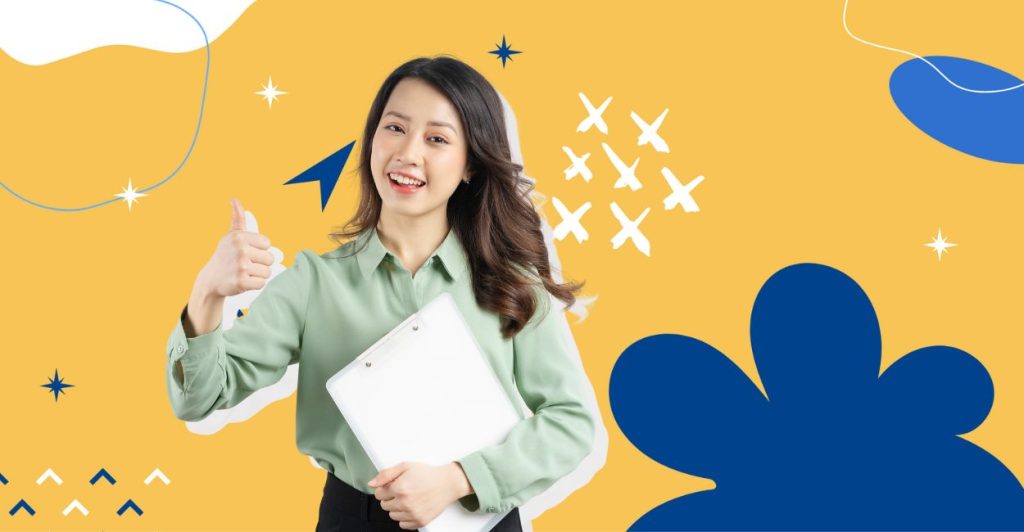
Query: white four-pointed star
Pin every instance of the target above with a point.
(579, 165)
(649, 133)
(270, 92)
(631, 230)
(627, 174)
(593, 116)
(939, 244)
(570, 221)
(130, 195)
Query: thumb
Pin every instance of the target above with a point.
(237, 216)
(388, 474)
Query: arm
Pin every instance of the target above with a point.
(218, 369)
(551, 443)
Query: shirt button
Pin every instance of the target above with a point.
(491, 509)
(181, 349)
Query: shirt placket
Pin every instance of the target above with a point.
(419, 282)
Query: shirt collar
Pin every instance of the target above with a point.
(371, 252)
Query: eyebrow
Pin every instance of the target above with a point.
(430, 123)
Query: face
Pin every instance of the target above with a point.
(419, 141)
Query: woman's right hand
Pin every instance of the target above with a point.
(240, 263)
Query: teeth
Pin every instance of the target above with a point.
(404, 180)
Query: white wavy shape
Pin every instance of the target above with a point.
(37, 32)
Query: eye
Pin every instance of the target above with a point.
(443, 141)
(397, 128)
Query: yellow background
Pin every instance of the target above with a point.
(805, 155)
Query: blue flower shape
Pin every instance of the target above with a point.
(833, 445)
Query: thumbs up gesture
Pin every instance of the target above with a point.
(241, 261)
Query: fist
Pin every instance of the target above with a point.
(241, 261)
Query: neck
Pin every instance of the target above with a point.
(412, 239)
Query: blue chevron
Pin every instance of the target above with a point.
(22, 505)
(3, 480)
(130, 504)
(102, 473)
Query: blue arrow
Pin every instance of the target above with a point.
(326, 172)
(102, 473)
(22, 505)
(130, 504)
(2, 479)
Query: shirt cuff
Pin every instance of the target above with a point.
(484, 485)
(191, 352)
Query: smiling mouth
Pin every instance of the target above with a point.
(405, 181)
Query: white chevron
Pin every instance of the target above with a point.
(49, 474)
(158, 474)
(75, 505)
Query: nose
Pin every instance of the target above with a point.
(409, 152)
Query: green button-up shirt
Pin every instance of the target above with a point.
(326, 310)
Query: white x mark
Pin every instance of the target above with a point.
(680, 193)
(631, 230)
(627, 174)
(594, 116)
(570, 221)
(578, 167)
(649, 132)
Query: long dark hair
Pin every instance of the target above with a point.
(492, 215)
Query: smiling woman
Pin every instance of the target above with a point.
(442, 209)
(439, 122)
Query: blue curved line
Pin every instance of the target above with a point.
(195, 137)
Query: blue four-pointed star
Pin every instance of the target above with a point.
(504, 51)
(56, 385)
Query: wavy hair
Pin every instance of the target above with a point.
(492, 215)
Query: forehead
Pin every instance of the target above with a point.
(418, 101)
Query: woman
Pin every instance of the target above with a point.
(442, 209)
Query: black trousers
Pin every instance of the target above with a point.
(344, 508)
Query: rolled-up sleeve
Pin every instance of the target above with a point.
(221, 368)
(551, 443)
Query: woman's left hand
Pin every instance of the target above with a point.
(414, 493)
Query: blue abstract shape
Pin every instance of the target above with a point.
(833, 445)
(326, 172)
(3, 479)
(985, 125)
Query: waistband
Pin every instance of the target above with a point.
(350, 501)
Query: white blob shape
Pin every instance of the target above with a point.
(37, 32)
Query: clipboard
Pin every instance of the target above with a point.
(425, 393)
